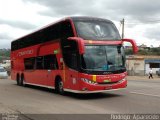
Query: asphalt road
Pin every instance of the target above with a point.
(141, 96)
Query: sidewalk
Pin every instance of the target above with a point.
(155, 77)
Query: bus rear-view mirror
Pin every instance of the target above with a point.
(80, 43)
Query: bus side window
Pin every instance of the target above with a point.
(50, 62)
(39, 62)
(29, 63)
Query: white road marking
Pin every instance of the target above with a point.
(145, 94)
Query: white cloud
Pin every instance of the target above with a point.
(17, 10)
(20, 17)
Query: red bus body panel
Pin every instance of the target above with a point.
(71, 78)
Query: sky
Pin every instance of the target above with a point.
(21, 17)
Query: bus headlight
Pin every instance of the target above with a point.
(122, 80)
(88, 81)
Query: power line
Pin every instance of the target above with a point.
(143, 22)
(123, 23)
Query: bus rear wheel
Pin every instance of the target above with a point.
(18, 80)
(22, 81)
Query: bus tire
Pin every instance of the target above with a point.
(59, 86)
(22, 80)
(18, 79)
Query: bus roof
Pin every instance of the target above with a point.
(74, 18)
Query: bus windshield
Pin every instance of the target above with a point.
(103, 58)
(97, 30)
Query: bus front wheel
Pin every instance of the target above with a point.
(59, 86)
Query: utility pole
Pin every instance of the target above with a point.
(122, 22)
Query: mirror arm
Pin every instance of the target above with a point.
(134, 46)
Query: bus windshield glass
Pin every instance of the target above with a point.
(97, 30)
(103, 58)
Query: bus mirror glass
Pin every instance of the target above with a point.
(80, 43)
(133, 43)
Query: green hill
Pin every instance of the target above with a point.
(4, 54)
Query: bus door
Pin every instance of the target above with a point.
(70, 70)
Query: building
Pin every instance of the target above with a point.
(140, 65)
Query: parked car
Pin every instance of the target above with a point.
(3, 73)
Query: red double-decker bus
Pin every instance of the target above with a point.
(75, 54)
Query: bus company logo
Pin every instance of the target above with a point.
(105, 73)
(27, 52)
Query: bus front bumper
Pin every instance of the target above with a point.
(97, 88)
